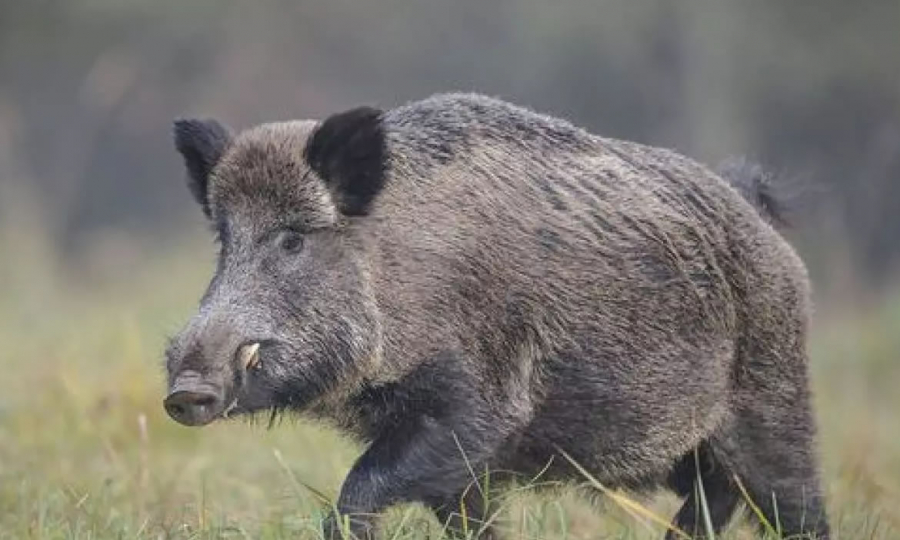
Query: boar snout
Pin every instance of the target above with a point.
(193, 401)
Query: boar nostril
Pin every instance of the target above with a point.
(204, 401)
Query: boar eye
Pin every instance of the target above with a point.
(290, 241)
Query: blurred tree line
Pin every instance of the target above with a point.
(811, 88)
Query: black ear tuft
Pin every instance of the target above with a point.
(348, 151)
(201, 143)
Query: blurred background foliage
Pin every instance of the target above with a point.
(88, 89)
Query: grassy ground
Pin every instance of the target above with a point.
(87, 452)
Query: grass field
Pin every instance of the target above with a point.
(86, 450)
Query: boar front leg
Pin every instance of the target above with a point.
(423, 458)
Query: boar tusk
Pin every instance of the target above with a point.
(250, 355)
(229, 408)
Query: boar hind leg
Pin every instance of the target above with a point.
(769, 444)
(720, 495)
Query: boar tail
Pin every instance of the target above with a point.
(757, 186)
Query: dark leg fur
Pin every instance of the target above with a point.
(417, 461)
(477, 514)
(775, 463)
(769, 443)
(426, 446)
(721, 495)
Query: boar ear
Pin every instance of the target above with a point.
(201, 144)
(348, 152)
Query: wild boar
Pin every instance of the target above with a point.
(466, 286)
